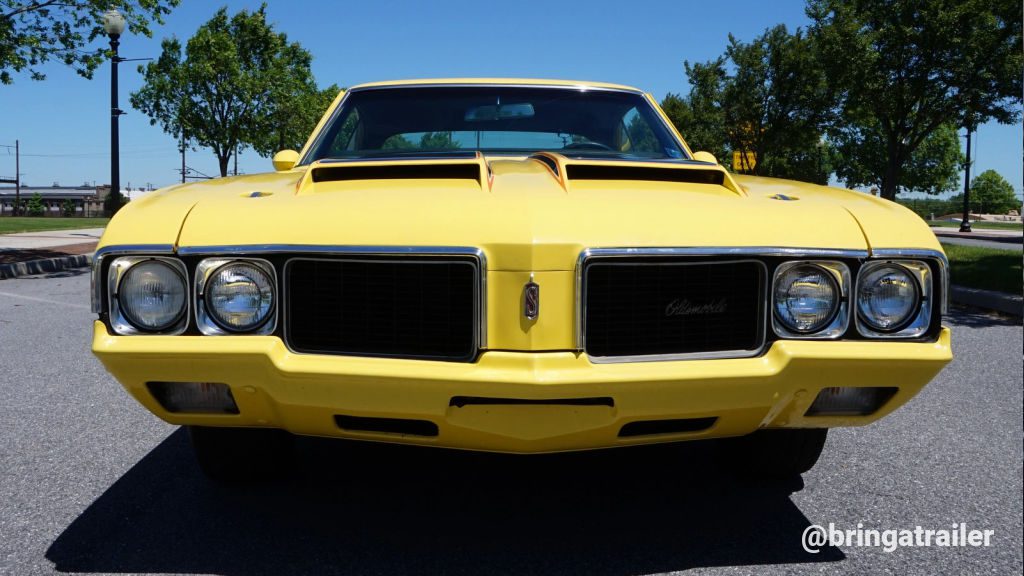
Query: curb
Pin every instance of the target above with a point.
(44, 266)
(989, 299)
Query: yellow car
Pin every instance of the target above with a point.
(516, 266)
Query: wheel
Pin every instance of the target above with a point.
(241, 454)
(775, 454)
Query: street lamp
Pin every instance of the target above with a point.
(114, 24)
(965, 224)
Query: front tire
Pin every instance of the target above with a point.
(241, 454)
(775, 454)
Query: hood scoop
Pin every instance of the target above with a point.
(648, 173)
(399, 172)
(471, 167)
(567, 170)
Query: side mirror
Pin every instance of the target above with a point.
(698, 156)
(285, 160)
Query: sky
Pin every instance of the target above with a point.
(64, 127)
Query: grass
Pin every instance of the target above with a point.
(979, 225)
(985, 268)
(13, 225)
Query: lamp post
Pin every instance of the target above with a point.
(965, 224)
(113, 24)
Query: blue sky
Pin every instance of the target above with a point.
(63, 125)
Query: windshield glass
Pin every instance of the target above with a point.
(495, 120)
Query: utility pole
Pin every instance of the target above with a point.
(17, 175)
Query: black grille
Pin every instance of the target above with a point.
(644, 308)
(414, 308)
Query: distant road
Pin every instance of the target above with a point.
(997, 239)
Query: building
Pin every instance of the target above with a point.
(87, 200)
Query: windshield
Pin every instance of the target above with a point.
(495, 120)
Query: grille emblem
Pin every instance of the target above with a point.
(531, 299)
(683, 307)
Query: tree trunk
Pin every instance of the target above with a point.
(222, 159)
(893, 169)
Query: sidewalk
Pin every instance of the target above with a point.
(979, 233)
(41, 252)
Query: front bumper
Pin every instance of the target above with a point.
(303, 394)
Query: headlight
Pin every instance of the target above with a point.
(239, 295)
(152, 295)
(888, 296)
(806, 298)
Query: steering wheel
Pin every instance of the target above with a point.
(587, 146)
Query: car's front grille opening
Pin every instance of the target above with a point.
(674, 426)
(673, 308)
(460, 401)
(403, 426)
(418, 307)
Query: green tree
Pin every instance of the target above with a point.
(775, 104)
(698, 116)
(67, 207)
(911, 67)
(437, 141)
(35, 206)
(33, 32)
(861, 158)
(990, 194)
(231, 87)
(294, 105)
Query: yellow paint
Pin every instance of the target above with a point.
(303, 393)
(527, 220)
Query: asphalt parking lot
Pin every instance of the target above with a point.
(90, 482)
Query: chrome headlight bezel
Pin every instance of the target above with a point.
(919, 319)
(119, 321)
(839, 321)
(207, 323)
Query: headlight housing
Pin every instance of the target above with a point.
(149, 295)
(236, 296)
(808, 299)
(893, 299)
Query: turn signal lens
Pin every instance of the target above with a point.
(850, 401)
(806, 298)
(203, 397)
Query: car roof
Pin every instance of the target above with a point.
(496, 82)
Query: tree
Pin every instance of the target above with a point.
(861, 158)
(911, 67)
(35, 206)
(698, 116)
(32, 32)
(773, 102)
(231, 87)
(777, 105)
(990, 194)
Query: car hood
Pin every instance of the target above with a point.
(534, 213)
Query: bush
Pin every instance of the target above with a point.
(927, 207)
(67, 207)
(35, 206)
